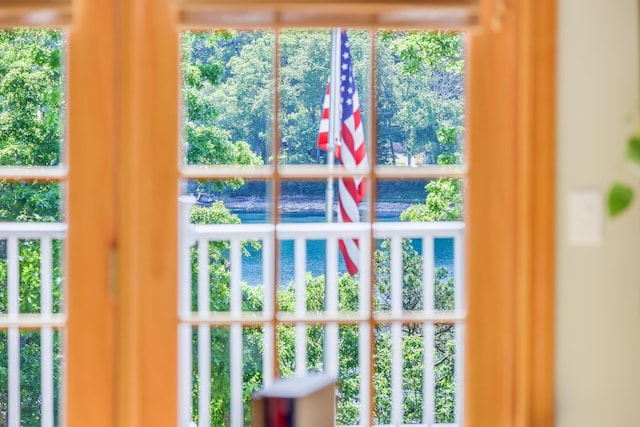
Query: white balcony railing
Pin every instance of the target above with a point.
(45, 321)
(198, 314)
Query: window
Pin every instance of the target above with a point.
(392, 338)
(123, 190)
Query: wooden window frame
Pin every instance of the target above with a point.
(123, 126)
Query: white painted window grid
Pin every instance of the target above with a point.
(236, 319)
(365, 318)
(46, 321)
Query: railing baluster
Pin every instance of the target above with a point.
(46, 334)
(268, 358)
(459, 330)
(236, 334)
(204, 337)
(364, 339)
(331, 308)
(396, 331)
(428, 278)
(300, 261)
(13, 294)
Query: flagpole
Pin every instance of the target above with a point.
(334, 119)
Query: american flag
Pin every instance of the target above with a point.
(351, 150)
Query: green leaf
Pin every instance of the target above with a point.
(633, 149)
(620, 197)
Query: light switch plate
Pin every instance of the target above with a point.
(586, 218)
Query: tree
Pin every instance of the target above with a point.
(31, 107)
(303, 82)
(413, 338)
(206, 143)
(427, 74)
(246, 89)
(444, 195)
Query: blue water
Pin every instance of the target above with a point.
(316, 262)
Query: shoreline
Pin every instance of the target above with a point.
(307, 205)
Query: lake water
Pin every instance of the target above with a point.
(316, 262)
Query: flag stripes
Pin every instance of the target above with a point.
(351, 151)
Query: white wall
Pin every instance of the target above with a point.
(598, 288)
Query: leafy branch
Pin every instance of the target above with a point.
(621, 195)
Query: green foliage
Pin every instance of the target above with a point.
(433, 49)
(303, 77)
(31, 106)
(422, 88)
(206, 143)
(443, 203)
(246, 90)
(444, 195)
(228, 79)
(620, 197)
(413, 339)
(31, 97)
(633, 149)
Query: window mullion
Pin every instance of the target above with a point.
(146, 235)
(276, 182)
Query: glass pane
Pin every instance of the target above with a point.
(30, 202)
(304, 74)
(214, 380)
(306, 201)
(445, 363)
(227, 95)
(427, 381)
(440, 286)
(418, 201)
(247, 201)
(218, 385)
(420, 102)
(232, 202)
(31, 97)
(393, 198)
(39, 396)
(31, 298)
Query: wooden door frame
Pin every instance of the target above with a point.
(511, 215)
(89, 394)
